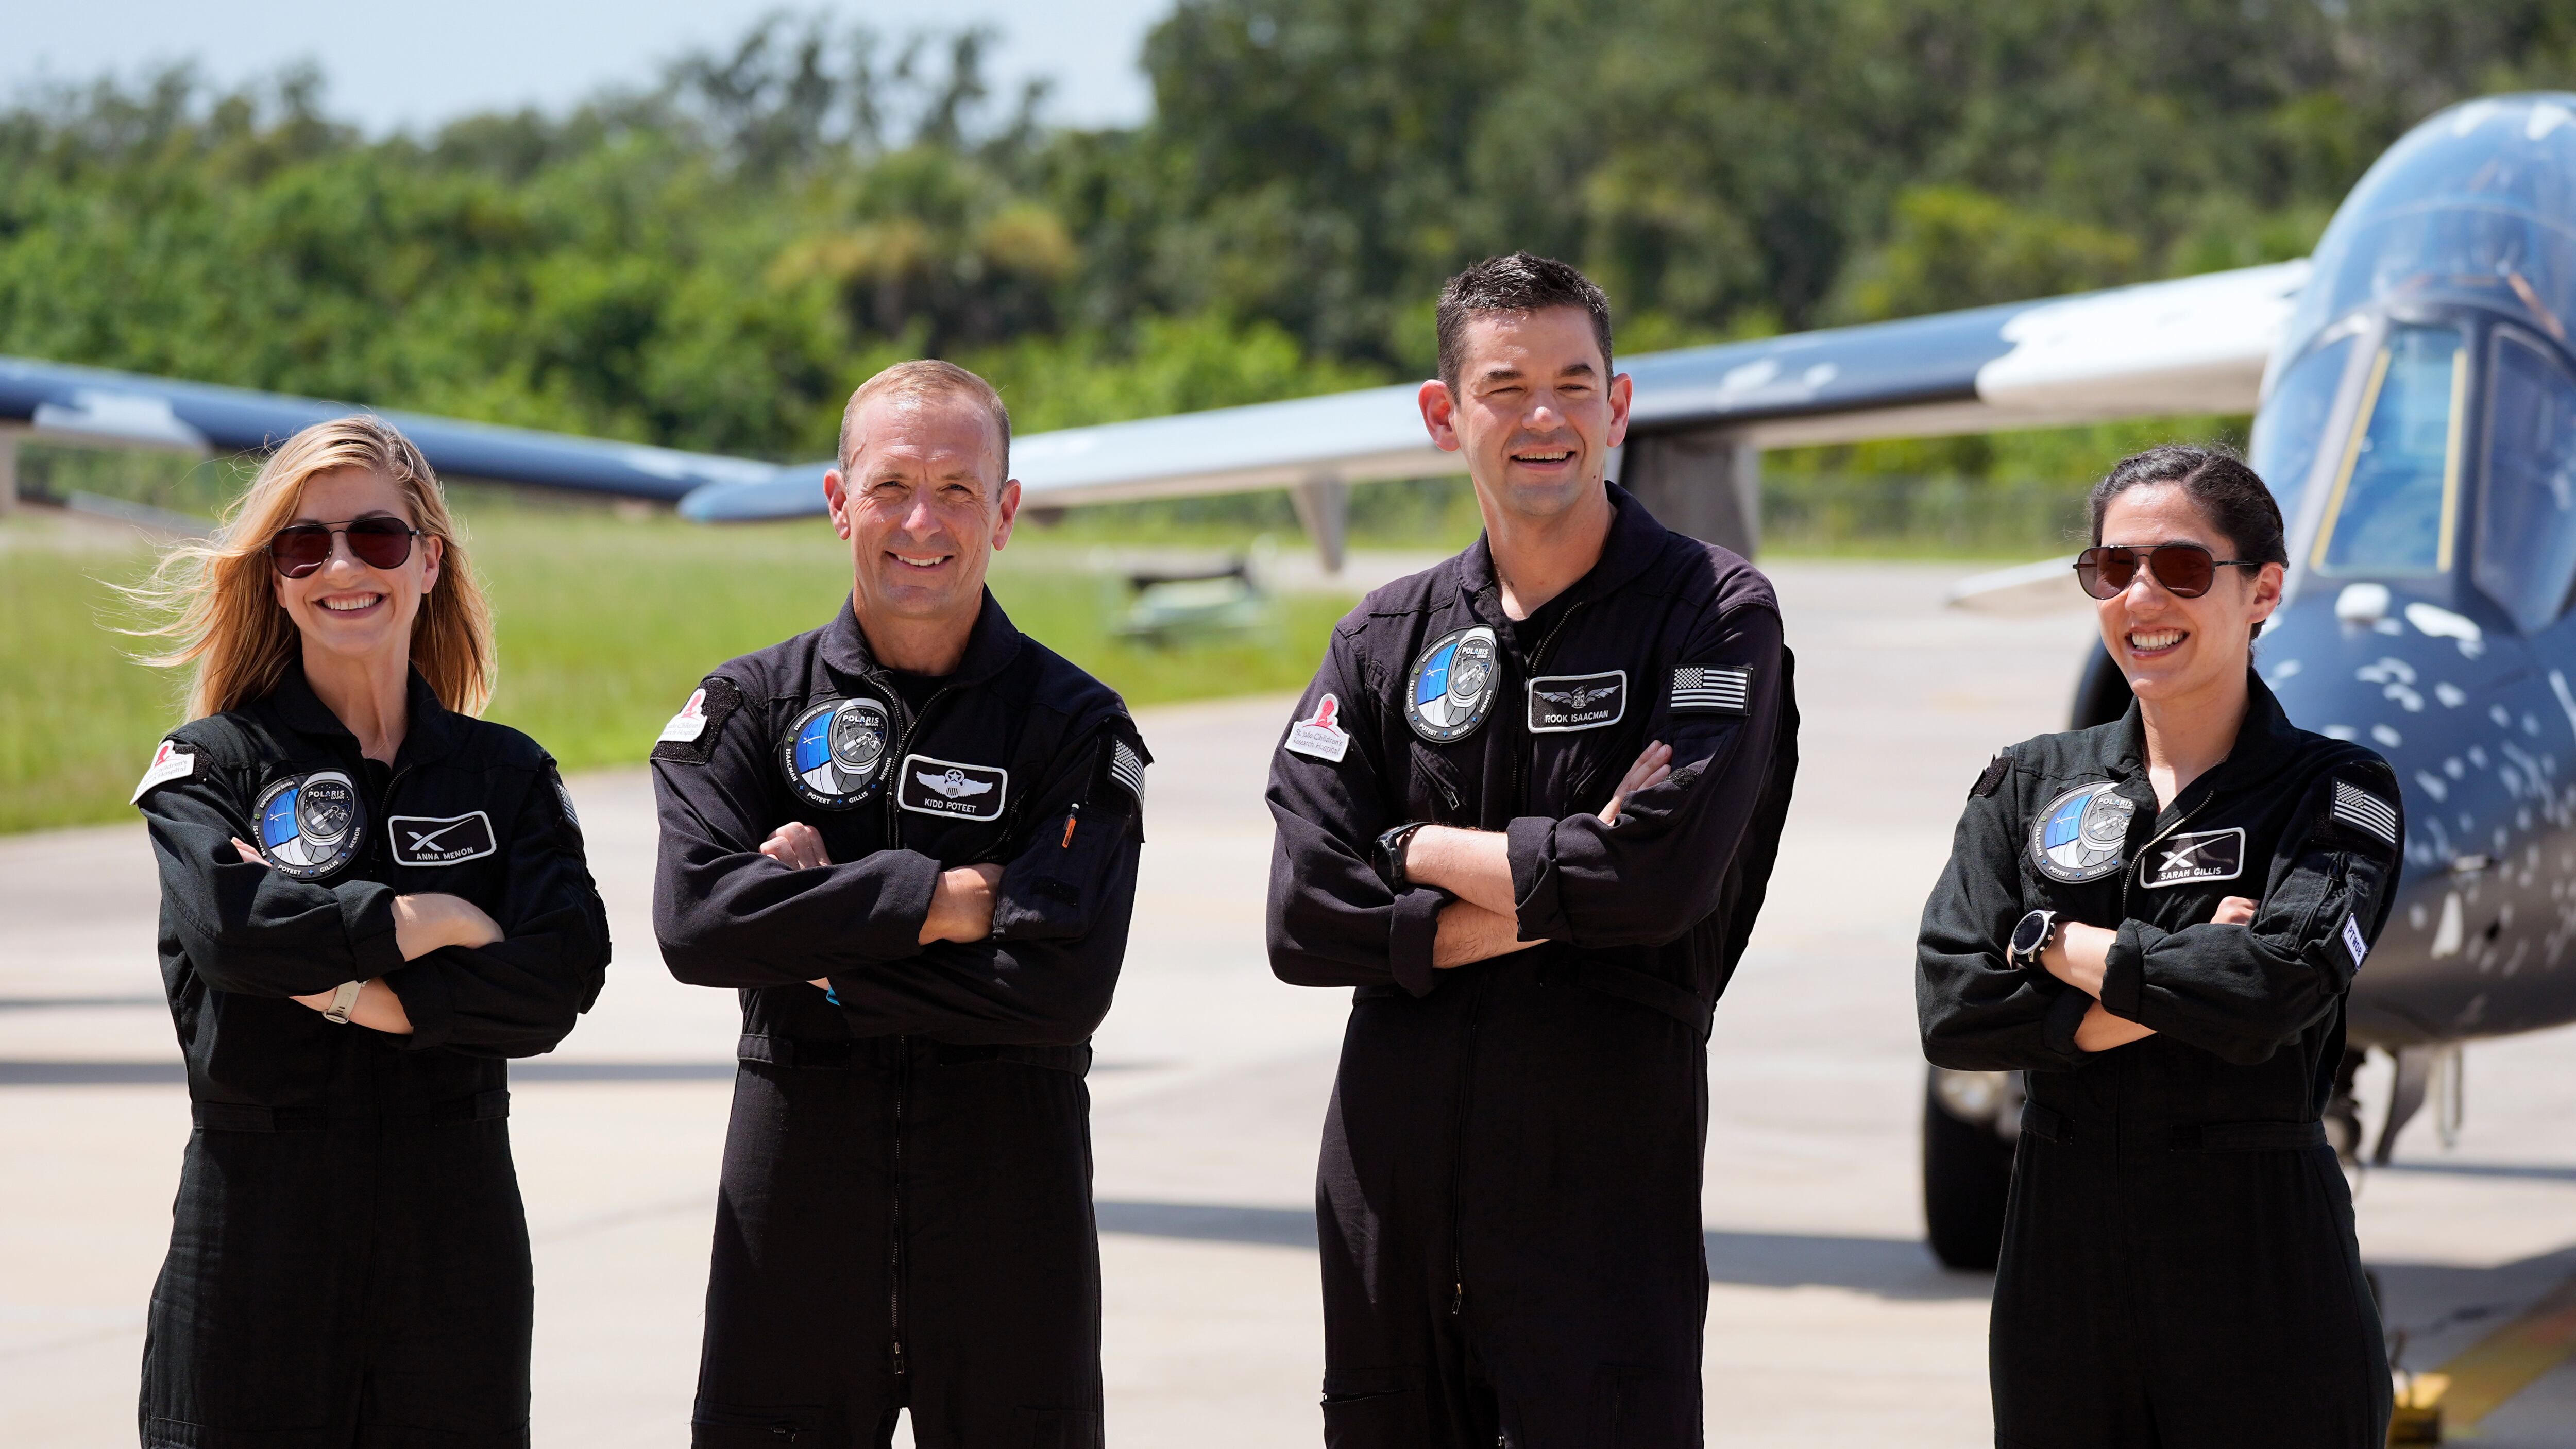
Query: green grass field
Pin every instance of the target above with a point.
(606, 623)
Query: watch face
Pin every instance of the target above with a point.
(2032, 930)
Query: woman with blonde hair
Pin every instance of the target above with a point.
(369, 899)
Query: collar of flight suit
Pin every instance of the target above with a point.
(1634, 541)
(2264, 742)
(990, 647)
(430, 728)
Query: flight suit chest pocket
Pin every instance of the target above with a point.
(1437, 788)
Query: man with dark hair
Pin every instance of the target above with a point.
(1528, 809)
(909, 839)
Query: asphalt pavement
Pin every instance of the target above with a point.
(1828, 1325)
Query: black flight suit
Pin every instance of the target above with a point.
(1509, 1195)
(906, 1208)
(349, 1260)
(2179, 1266)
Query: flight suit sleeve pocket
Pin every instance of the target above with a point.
(1372, 1406)
(1052, 890)
(733, 1426)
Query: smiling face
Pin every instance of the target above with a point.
(2174, 648)
(923, 505)
(349, 608)
(1535, 411)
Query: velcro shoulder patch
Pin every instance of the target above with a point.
(1712, 689)
(1993, 778)
(172, 761)
(690, 737)
(1127, 768)
(2362, 810)
(1120, 764)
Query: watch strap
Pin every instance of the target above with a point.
(343, 1001)
(1390, 854)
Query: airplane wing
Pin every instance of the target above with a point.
(123, 409)
(2197, 344)
(2193, 345)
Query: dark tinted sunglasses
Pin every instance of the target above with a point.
(2185, 569)
(379, 543)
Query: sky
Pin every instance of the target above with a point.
(415, 65)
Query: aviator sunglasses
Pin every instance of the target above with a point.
(381, 542)
(2185, 569)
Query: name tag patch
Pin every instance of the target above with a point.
(2201, 856)
(1563, 703)
(441, 839)
(952, 788)
(2353, 943)
(168, 763)
(1711, 690)
(1321, 737)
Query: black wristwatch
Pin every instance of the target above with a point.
(2031, 937)
(1390, 853)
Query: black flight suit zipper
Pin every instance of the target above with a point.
(1476, 1006)
(902, 1044)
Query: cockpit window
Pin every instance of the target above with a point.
(2395, 502)
(2291, 430)
(2527, 506)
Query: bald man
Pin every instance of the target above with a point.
(909, 840)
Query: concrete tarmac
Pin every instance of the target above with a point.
(1828, 1325)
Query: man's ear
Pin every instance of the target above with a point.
(836, 500)
(1439, 414)
(1004, 515)
(1623, 395)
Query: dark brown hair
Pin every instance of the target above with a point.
(2227, 492)
(1518, 283)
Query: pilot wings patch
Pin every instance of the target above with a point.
(1562, 703)
(952, 788)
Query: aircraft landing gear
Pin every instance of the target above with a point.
(1970, 1122)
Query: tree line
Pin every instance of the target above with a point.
(712, 257)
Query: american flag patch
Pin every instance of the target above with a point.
(1711, 691)
(1127, 769)
(2365, 812)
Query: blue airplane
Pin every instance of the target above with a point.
(2414, 391)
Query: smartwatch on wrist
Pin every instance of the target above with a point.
(343, 1001)
(1390, 853)
(2031, 937)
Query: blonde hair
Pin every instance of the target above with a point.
(223, 608)
(928, 378)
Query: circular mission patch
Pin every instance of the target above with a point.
(310, 824)
(836, 751)
(2082, 833)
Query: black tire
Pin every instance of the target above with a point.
(1967, 1175)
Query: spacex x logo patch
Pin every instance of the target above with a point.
(442, 840)
(2204, 855)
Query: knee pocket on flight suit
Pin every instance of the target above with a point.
(1057, 1429)
(1642, 1408)
(1375, 1408)
(736, 1426)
